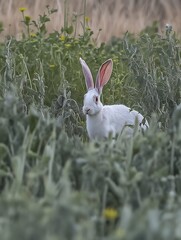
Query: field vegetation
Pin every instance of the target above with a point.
(55, 183)
(113, 17)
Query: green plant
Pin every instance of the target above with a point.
(54, 183)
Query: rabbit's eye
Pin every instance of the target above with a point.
(96, 99)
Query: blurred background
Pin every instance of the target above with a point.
(113, 17)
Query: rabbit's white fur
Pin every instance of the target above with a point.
(101, 121)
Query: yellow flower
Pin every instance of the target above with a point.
(110, 213)
(32, 34)
(88, 28)
(87, 19)
(22, 9)
(67, 45)
(62, 38)
(27, 18)
(115, 60)
(51, 66)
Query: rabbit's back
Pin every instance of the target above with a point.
(120, 116)
(113, 120)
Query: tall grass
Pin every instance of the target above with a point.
(55, 186)
(113, 17)
(54, 182)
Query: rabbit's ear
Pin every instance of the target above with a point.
(104, 74)
(87, 74)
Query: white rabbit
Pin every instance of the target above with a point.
(101, 121)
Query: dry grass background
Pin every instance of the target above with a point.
(114, 17)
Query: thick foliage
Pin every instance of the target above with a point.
(54, 184)
(46, 70)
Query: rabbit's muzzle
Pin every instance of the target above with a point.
(87, 111)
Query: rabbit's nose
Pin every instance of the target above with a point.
(87, 111)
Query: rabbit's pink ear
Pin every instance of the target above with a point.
(104, 74)
(87, 74)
